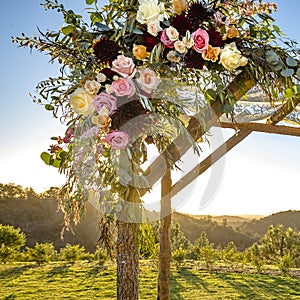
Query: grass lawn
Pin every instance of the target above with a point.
(86, 281)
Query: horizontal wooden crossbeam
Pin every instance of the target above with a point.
(261, 127)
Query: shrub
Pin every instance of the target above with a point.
(41, 253)
(72, 253)
(11, 241)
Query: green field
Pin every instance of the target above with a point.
(88, 281)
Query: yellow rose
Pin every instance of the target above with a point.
(179, 6)
(211, 53)
(140, 52)
(81, 102)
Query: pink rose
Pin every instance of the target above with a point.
(123, 87)
(164, 38)
(124, 66)
(117, 139)
(148, 80)
(105, 100)
(201, 40)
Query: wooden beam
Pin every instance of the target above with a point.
(209, 161)
(261, 127)
(238, 87)
(277, 116)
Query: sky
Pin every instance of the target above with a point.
(260, 176)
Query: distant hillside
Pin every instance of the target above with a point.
(289, 218)
(40, 221)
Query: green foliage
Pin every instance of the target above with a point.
(11, 241)
(178, 239)
(179, 255)
(41, 253)
(148, 245)
(72, 253)
(101, 256)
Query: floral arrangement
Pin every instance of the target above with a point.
(120, 76)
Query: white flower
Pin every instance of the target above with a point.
(81, 102)
(180, 47)
(231, 58)
(153, 28)
(92, 86)
(101, 77)
(188, 42)
(172, 33)
(150, 11)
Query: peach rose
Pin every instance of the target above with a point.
(123, 87)
(201, 40)
(102, 120)
(179, 6)
(148, 80)
(231, 33)
(124, 66)
(140, 52)
(153, 28)
(211, 53)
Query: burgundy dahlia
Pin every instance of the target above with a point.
(215, 38)
(182, 24)
(194, 61)
(198, 13)
(105, 50)
(149, 41)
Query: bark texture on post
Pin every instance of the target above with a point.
(164, 258)
(127, 247)
(127, 261)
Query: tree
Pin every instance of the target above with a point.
(148, 245)
(11, 241)
(71, 253)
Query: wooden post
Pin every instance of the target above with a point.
(164, 257)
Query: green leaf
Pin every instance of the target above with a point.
(298, 73)
(67, 29)
(288, 93)
(46, 157)
(291, 62)
(89, 2)
(287, 72)
(49, 107)
(55, 163)
(210, 95)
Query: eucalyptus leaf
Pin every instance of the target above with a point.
(46, 157)
(67, 29)
(89, 2)
(291, 62)
(287, 72)
(298, 73)
(102, 27)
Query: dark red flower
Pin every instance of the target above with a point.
(198, 13)
(105, 50)
(149, 41)
(194, 61)
(182, 24)
(109, 73)
(215, 38)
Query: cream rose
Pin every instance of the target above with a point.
(173, 56)
(124, 66)
(148, 80)
(189, 43)
(180, 47)
(172, 33)
(92, 86)
(82, 102)
(153, 28)
(231, 58)
(150, 11)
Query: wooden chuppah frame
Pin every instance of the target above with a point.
(238, 87)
